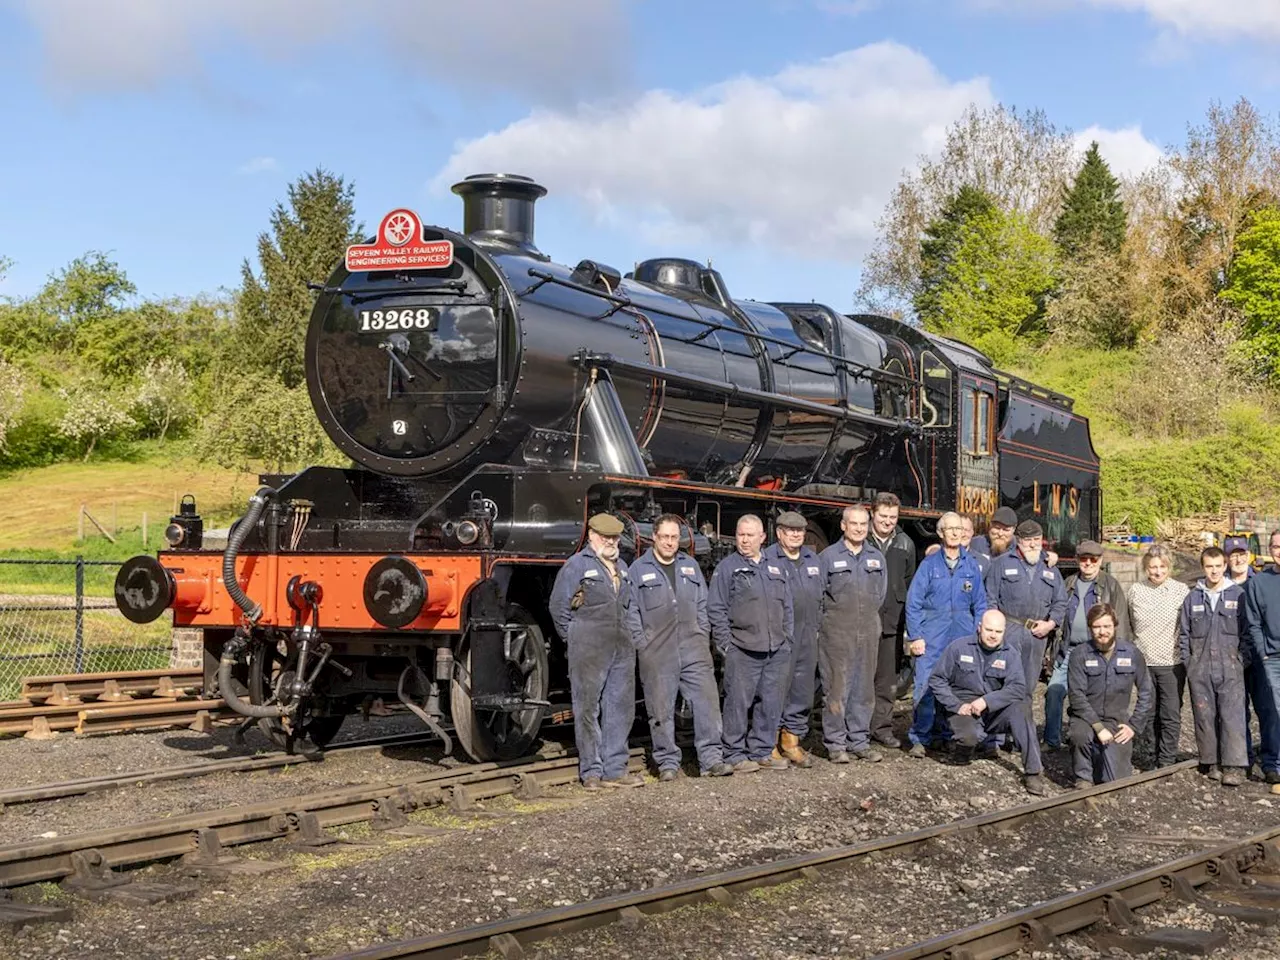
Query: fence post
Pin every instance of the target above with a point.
(79, 649)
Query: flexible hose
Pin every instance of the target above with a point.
(257, 503)
(230, 654)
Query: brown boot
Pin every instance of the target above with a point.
(792, 750)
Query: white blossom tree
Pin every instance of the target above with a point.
(13, 388)
(164, 396)
(92, 414)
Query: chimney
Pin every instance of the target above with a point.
(499, 207)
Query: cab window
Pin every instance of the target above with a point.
(936, 402)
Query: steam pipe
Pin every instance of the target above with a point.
(257, 503)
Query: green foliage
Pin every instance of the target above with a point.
(258, 421)
(1093, 216)
(984, 277)
(307, 240)
(1253, 288)
(33, 439)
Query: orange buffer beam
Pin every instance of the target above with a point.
(200, 599)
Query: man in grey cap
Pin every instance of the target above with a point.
(1084, 590)
(593, 607)
(997, 540)
(752, 624)
(801, 563)
(1022, 586)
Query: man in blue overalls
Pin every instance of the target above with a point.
(1101, 677)
(854, 581)
(676, 656)
(1029, 592)
(593, 607)
(1209, 642)
(978, 682)
(753, 625)
(801, 563)
(945, 601)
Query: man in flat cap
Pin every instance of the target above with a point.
(1084, 590)
(854, 582)
(997, 540)
(753, 625)
(593, 606)
(1029, 592)
(801, 564)
(676, 657)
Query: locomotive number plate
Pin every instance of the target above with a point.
(394, 318)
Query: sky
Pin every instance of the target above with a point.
(762, 135)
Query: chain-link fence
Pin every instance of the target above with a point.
(58, 616)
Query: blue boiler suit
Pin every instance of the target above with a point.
(806, 598)
(1098, 693)
(943, 603)
(1209, 642)
(753, 625)
(966, 671)
(1024, 592)
(676, 657)
(853, 590)
(601, 629)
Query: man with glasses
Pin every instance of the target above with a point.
(1262, 654)
(1084, 590)
(594, 610)
(676, 657)
(946, 600)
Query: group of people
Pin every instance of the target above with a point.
(980, 617)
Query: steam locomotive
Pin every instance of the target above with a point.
(491, 400)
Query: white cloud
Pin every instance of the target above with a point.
(542, 49)
(1126, 150)
(802, 160)
(257, 165)
(1192, 19)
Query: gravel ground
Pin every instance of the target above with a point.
(515, 857)
(1246, 942)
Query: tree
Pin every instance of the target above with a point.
(1094, 301)
(308, 237)
(1019, 159)
(260, 422)
(985, 278)
(1092, 218)
(163, 397)
(13, 387)
(92, 414)
(1253, 288)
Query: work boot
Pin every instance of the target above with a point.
(963, 755)
(867, 754)
(792, 750)
(1232, 776)
(1036, 785)
(838, 756)
(591, 783)
(888, 740)
(626, 780)
(1211, 771)
(1083, 784)
(917, 751)
(985, 751)
(746, 766)
(1271, 776)
(775, 761)
(667, 776)
(720, 769)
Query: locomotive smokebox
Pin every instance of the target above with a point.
(499, 207)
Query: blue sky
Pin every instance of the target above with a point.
(762, 134)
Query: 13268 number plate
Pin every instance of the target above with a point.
(395, 318)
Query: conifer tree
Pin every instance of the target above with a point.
(1093, 215)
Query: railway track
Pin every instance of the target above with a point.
(512, 937)
(75, 788)
(202, 838)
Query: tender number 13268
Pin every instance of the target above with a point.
(410, 318)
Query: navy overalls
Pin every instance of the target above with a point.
(1209, 642)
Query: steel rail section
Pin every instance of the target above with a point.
(1035, 926)
(173, 837)
(507, 936)
(75, 788)
(115, 685)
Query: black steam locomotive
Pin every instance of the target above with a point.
(492, 400)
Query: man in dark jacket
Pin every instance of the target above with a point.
(753, 625)
(899, 552)
(997, 540)
(801, 563)
(1209, 646)
(1262, 652)
(594, 610)
(1101, 678)
(676, 657)
(978, 682)
(1085, 590)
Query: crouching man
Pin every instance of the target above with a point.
(1101, 678)
(979, 682)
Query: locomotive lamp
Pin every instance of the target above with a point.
(186, 527)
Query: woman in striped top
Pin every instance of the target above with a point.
(1154, 605)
